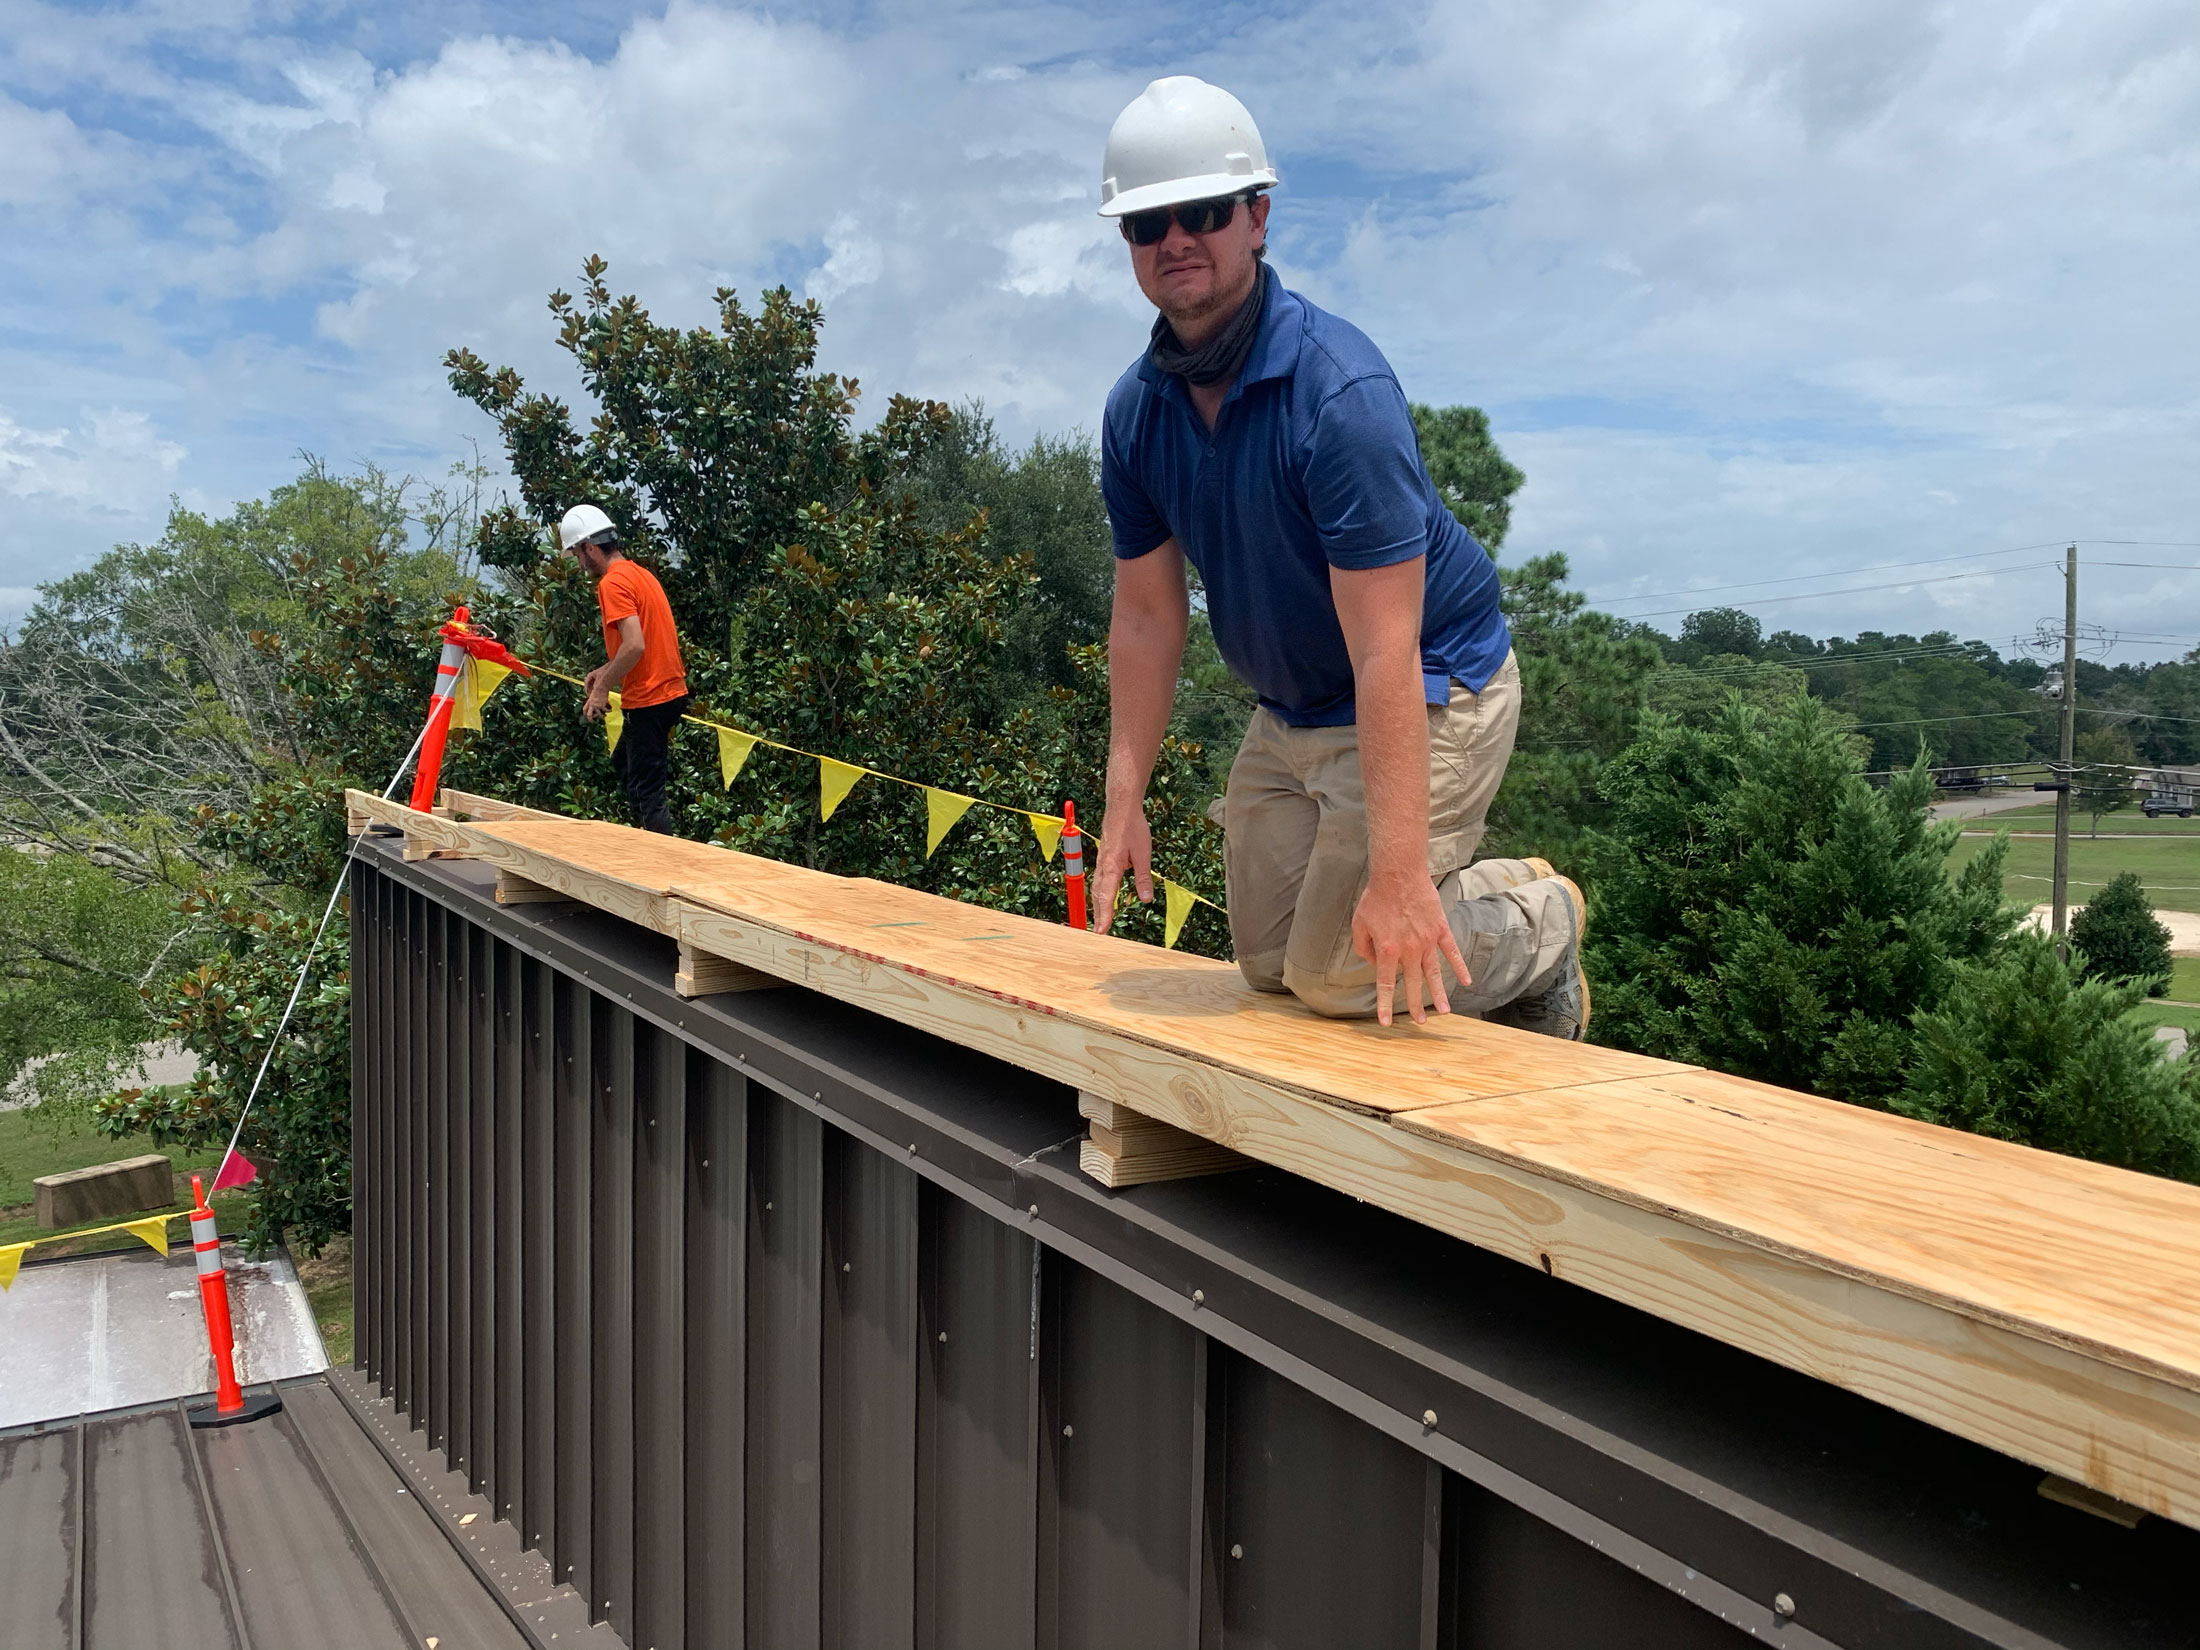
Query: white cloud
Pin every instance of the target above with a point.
(1812, 286)
(112, 464)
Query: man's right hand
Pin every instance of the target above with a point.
(1126, 845)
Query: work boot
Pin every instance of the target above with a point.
(1561, 1008)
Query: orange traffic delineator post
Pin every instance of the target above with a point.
(230, 1404)
(461, 641)
(1073, 865)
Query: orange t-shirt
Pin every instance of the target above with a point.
(629, 590)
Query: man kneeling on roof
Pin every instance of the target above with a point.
(642, 662)
(1268, 443)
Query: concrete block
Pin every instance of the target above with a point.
(106, 1191)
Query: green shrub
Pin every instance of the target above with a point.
(2120, 937)
(2025, 1048)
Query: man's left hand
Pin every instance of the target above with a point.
(599, 696)
(1400, 927)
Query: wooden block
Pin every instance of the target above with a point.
(1197, 1158)
(105, 1190)
(2066, 1493)
(418, 846)
(514, 889)
(703, 975)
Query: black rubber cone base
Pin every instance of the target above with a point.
(257, 1406)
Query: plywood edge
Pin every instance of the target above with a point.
(2031, 1327)
(705, 900)
(2125, 1432)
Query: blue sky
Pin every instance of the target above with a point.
(1750, 292)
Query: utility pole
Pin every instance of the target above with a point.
(2069, 739)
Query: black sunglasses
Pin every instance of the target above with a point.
(1197, 218)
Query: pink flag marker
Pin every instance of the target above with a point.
(237, 1170)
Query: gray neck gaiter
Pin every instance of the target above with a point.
(1219, 359)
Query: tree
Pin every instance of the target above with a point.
(1760, 907)
(1583, 677)
(1045, 503)
(2120, 938)
(2023, 1049)
(1472, 476)
(181, 720)
(2105, 763)
(1717, 631)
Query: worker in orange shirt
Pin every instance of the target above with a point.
(642, 662)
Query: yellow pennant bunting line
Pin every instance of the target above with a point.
(150, 1229)
(733, 750)
(834, 781)
(1048, 830)
(476, 682)
(1176, 905)
(942, 809)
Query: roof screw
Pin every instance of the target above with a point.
(1199, 1297)
(1034, 1211)
(943, 1337)
(1069, 1432)
(912, 1148)
(1236, 1551)
(1783, 1606)
(1428, 1420)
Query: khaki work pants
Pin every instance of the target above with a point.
(1296, 856)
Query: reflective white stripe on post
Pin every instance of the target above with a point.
(209, 1258)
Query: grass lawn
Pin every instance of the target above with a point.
(2169, 866)
(31, 1147)
(2130, 822)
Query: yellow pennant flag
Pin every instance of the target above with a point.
(614, 724)
(1177, 902)
(834, 781)
(941, 810)
(733, 751)
(476, 682)
(154, 1231)
(1048, 830)
(10, 1258)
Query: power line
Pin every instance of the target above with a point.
(1836, 573)
(1852, 590)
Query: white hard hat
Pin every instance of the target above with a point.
(583, 521)
(1181, 140)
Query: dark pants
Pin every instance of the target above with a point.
(644, 754)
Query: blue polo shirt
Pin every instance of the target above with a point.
(1312, 464)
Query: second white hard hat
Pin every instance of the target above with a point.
(583, 521)
(1181, 140)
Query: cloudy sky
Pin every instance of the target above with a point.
(1752, 292)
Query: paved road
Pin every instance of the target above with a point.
(1977, 807)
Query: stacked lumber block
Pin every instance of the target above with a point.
(1128, 1148)
(2043, 1306)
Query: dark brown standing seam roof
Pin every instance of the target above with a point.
(130, 1531)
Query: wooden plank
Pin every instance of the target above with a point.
(486, 809)
(514, 889)
(703, 975)
(2036, 1304)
